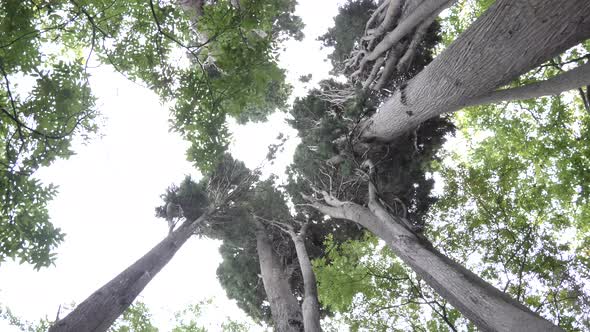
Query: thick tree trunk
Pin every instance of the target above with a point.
(487, 307)
(284, 307)
(98, 312)
(510, 38)
(311, 306)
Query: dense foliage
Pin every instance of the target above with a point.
(512, 207)
(221, 63)
(45, 101)
(239, 272)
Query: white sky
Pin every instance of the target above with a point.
(108, 192)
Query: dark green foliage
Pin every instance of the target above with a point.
(349, 26)
(400, 164)
(327, 127)
(239, 275)
(191, 195)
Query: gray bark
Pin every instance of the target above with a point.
(98, 312)
(284, 307)
(487, 307)
(419, 15)
(311, 305)
(509, 39)
(569, 80)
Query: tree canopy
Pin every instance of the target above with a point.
(47, 47)
(512, 209)
(499, 245)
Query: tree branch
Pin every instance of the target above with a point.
(575, 78)
(424, 11)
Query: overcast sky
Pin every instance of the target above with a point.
(109, 189)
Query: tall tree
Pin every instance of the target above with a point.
(232, 72)
(444, 85)
(226, 184)
(138, 318)
(517, 37)
(310, 307)
(296, 227)
(257, 264)
(261, 267)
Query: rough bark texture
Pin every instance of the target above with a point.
(311, 305)
(417, 16)
(487, 307)
(569, 80)
(509, 39)
(98, 312)
(284, 307)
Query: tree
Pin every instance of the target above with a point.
(349, 25)
(231, 73)
(373, 290)
(137, 318)
(461, 75)
(217, 191)
(261, 269)
(534, 195)
(431, 93)
(257, 265)
(310, 306)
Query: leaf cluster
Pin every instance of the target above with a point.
(45, 102)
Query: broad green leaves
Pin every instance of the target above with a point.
(223, 63)
(44, 102)
(373, 291)
(517, 201)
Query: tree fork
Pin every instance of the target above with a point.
(284, 307)
(509, 39)
(310, 307)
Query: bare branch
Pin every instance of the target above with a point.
(426, 10)
(572, 79)
(406, 60)
(375, 15)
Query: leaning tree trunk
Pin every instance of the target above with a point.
(311, 306)
(510, 38)
(284, 307)
(487, 307)
(98, 312)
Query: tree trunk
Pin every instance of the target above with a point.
(284, 307)
(311, 306)
(487, 307)
(98, 312)
(509, 39)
